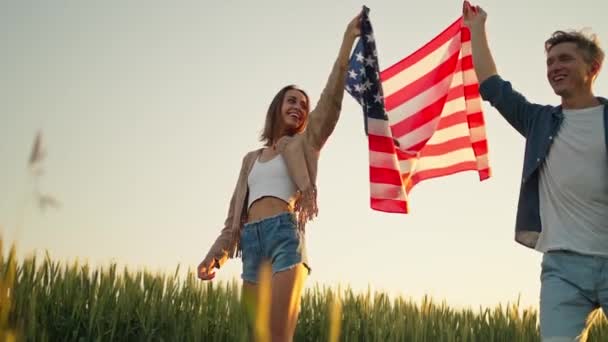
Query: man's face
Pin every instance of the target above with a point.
(567, 71)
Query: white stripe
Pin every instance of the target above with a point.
(449, 133)
(428, 130)
(420, 101)
(445, 160)
(483, 162)
(387, 191)
(469, 76)
(407, 165)
(383, 160)
(422, 67)
(478, 133)
(456, 80)
(378, 127)
(466, 77)
(465, 49)
(418, 135)
(453, 106)
(474, 105)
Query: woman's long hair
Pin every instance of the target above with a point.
(273, 122)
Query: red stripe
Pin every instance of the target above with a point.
(465, 34)
(452, 120)
(430, 79)
(403, 155)
(475, 120)
(466, 63)
(424, 51)
(390, 206)
(484, 174)
(445, 171)
(417, 147)
(471, 91)
(445, 122)
(455, 92)
(446, 147)
(419, 119)
(381, 144)
(480, 147)
(384, 176)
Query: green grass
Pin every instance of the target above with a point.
(44, 300)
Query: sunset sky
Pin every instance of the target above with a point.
(147, 108)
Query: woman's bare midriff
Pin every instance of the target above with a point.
(267, 207)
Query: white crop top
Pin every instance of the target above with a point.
(270, 178)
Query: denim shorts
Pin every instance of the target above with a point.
(572, 286)
(275, 239)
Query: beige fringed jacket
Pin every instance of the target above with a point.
(301, 155)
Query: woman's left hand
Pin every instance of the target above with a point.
(353, 30)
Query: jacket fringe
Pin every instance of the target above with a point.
(306, 207)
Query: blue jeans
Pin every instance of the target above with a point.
(275, 239)
(572, 286)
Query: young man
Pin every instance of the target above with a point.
(563, 204)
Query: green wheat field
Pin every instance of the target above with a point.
(44, 300)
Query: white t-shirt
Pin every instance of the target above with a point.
(573, 189)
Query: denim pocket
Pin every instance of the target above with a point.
(249, 243)
(286, 230)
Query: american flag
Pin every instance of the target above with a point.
(423, 115)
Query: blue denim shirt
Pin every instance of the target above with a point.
(539, 124)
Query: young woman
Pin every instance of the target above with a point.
(275, 195)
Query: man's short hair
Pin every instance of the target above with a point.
(587, 43)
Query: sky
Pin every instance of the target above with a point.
(147, 108)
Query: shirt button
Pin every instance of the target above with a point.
(538, 160)
(550, 137)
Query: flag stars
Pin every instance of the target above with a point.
(359, 57)
(378, 98)
(362, 75)
(369, 61)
